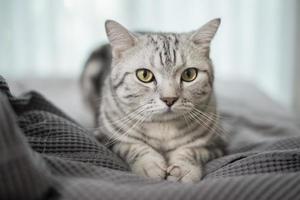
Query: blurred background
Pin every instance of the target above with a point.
(258, 41)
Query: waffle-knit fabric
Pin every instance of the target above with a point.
(44, 154)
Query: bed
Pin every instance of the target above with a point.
(47, 150)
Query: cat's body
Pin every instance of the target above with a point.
(156, 101)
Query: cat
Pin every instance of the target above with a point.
(153, 100)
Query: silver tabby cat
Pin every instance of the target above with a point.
(153, 100)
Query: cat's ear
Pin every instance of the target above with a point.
(119, 37)
(206, 33)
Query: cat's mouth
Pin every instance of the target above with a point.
(166, 114)
(164, 111)
(169, 110)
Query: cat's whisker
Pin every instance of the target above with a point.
(216, 117)
(219, 116)
(210, 127)
(214, 113)
(122, 126)
(121, 123)
(217, 126)
(128, 131)
(125, 123)
(136, 113)
(212, 110)
(208, 115)
(98, 100)
(200, 122)
(128, 116)
(186, 121)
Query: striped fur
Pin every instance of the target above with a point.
(132, 119)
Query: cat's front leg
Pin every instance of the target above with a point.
(142, 159)
(186, 164)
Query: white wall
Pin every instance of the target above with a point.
(256, 42)
(296, 83)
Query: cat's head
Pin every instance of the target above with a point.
(164, 74)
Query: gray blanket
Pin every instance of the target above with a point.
(44, 154)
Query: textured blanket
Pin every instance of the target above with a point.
(45, 154)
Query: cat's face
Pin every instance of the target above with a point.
(165, 74)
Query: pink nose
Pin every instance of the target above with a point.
(169, 100)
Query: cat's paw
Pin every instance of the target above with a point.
(184, 172)
(150, 166)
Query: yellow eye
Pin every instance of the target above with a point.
(189, 74)
(144, 75)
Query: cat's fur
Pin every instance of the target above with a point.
(132, 118)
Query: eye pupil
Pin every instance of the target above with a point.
(144, 73)
(188, 73)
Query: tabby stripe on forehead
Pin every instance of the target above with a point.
(166, 47)
(174, 56)
(167, 52)
(176, 41)
(160, 57)
(152, 40)
(152, 59)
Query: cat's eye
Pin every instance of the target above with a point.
(189, 74)
(144, 75)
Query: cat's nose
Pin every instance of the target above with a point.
(169, 100)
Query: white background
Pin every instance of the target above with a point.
(258, 40)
